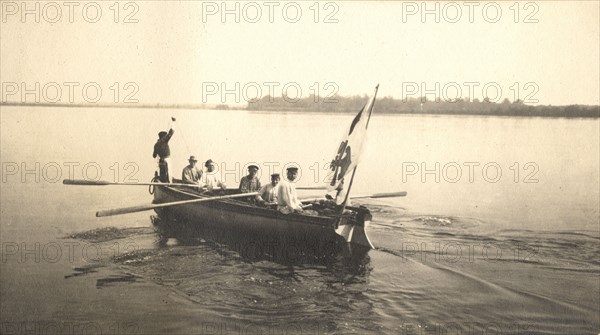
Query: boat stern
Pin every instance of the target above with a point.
(353, 230)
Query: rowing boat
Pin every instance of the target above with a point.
(322, 224)
(342, 223)
(242, 217)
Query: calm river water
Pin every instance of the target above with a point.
(499, 232)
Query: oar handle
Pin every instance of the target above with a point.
(141, 208)
(85, 182)
(104, 183)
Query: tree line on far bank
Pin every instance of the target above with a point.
(421, 106)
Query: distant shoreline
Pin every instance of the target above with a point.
(422, 106)
(428, 113)
(407, 108)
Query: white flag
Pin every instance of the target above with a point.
(350, 147)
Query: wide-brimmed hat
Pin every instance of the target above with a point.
(192, 159)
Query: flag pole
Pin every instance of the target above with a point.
(371, 111)
(354, 170)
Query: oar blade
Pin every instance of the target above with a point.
(124, 210)
(85, 182)
(381, 195)
(389, 195)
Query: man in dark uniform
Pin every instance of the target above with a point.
(250, 183)
(162, 150)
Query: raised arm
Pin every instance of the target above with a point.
(169, 135)
(171, 131)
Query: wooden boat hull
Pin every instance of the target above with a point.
(240, 217)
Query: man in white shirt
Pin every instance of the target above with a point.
(212, 178)
(268, 193)
(287, 199)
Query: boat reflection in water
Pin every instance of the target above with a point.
(264, 284)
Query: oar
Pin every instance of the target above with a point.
(380, 195)
(83, 182)
(141, 208)
(104, 183)
(372, 196)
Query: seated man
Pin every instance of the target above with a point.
(287, 199)
(190, 173)
(212, 179)
(268, 193)
(250, 183)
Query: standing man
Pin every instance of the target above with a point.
(268, 193)
(212, 178)
(162, 150)
(250, 183)
(191, 174)
(287, 199)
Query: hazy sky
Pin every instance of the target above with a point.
(186, 52)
